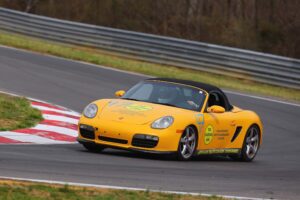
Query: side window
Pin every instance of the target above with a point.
(216, 99)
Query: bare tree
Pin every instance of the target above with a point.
(30, 4)
(263, 25)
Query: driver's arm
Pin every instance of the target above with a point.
(192, 103)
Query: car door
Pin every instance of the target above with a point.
(218, 128)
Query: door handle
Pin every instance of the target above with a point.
(232, 123)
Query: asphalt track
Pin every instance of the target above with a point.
(275, 173)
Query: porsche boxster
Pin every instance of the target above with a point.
(161, 115)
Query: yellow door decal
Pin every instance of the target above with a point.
(208, 136)
(200, 119)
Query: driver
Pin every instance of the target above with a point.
(193, 100)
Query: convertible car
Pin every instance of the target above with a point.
(161, 115)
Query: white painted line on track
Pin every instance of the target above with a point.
(262, 98)
(60, 118)
(114, 69)
(55, 110)
(57, 129)
(34, 99)
(78, 61)
(127, 188)
(24, 137)
(148, 76)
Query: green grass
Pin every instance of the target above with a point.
(15, 190)
(16, 113)
(103, 58)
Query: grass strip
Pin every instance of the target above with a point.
(103, 58)
(17, 113)
(11, 190)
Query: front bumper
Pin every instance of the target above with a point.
(85, 141)
(132, 137)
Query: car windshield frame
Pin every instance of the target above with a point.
(197, 94)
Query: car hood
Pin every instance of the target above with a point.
(135, 112)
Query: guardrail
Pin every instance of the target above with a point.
(250, 65)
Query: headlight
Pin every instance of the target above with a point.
(90, 111)
(163, 122)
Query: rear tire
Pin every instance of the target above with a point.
(187, 144)
(250, 146)
(94, 148)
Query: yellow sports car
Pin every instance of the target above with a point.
(161, 115)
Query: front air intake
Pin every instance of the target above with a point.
(87, 131)
(115, 140)
(145, 141)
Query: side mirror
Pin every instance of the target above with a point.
(119, 93)
(216, 109)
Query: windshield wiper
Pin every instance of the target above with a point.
(131, 99)
(166, 104)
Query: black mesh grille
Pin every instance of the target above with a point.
(140, 140)
(87, 131)
(115, 140)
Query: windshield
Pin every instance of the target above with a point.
(170, 94)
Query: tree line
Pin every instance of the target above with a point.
(271, 26)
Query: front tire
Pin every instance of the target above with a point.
(93, 148)
(251, 144)
(187, 144)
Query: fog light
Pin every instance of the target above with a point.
(151, 137)
(86, 127)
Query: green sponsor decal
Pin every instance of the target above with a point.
(208, 135)
(136, 107)
(203, 152)
(218, 151)
(232, 150)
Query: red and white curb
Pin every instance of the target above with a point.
(58, 127)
